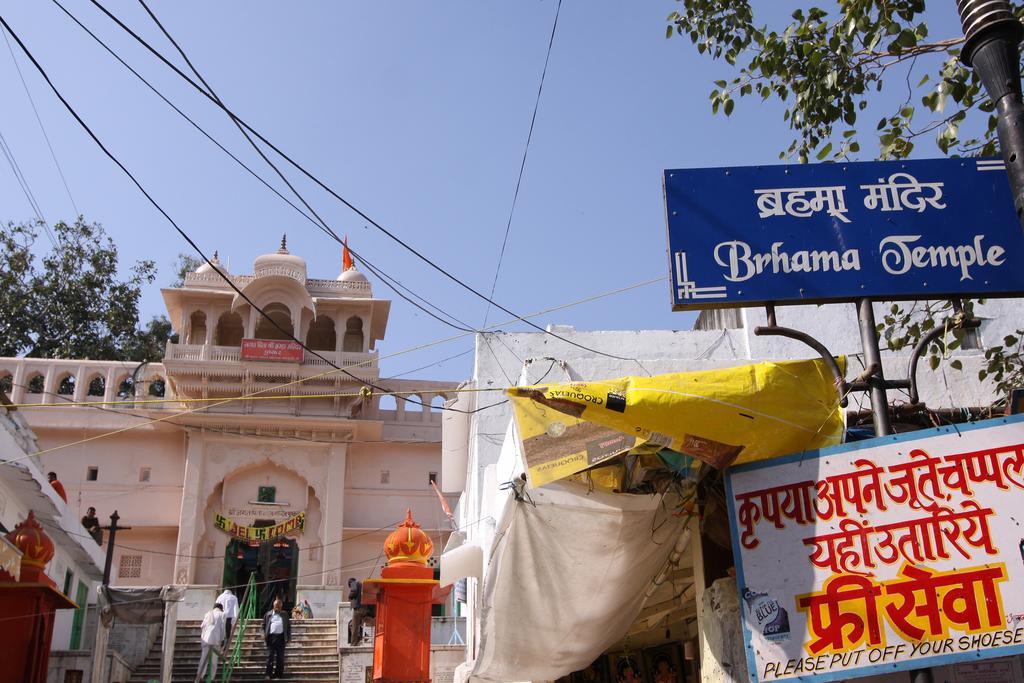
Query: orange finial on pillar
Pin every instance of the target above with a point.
(404, 595)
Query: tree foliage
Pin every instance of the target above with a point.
(72, 303)
(828, 67)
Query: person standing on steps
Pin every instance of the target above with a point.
(277, 632)
(211, 638)
(230, 602)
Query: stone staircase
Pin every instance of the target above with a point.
(312, 655)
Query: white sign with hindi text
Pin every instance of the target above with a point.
(901, 552)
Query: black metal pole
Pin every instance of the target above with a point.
(993, 36)
(873, 358)
(113, 529)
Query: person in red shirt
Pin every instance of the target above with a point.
(57, 486)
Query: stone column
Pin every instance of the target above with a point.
(18, 389)
(211, 324)
(723, 657)
(50, 385)
(191, 509)
(333, 508)
(110, 385)
(250, 322)
(81, 385)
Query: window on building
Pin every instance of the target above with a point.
(69, 577)
(129, 567)
(66, 386)
(432, 478)
(73, 676)
(280, 328)
(97, 386)
(353, 339)
(229, 330)
(970, 340)
(35, 384)
(266, 494)
(92, 473)
(144, 474)
(157, 387)
(385, 476)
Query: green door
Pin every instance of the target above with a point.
(76, 624)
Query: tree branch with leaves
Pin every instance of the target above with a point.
(827, 67)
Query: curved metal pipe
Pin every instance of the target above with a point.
(922, 346)
(803, 337)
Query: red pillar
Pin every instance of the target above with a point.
(30, 602)
(404, 595)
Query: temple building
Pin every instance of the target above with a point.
(298, 485)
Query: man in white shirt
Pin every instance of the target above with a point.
(230, 603)
(277, 632)
(212, 635)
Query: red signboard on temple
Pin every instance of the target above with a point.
(268, 349)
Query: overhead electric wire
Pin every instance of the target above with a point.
(185, 235)
(419, 347)
(319, 222)
(157, 401)
(234, 117)
(522, 164)
(387, 279)
(39, 120)
(23, 183)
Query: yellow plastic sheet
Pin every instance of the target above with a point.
(739, 414)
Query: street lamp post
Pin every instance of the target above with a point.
(992, 49)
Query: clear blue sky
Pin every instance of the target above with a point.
(418, 113)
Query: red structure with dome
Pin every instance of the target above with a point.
(30, 601)
(404, 595)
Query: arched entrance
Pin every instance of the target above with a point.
(274, 565)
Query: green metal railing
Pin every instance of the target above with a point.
(246, 613)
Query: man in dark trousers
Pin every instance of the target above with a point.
(277, 632)
(355, 599)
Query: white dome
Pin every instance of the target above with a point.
(281, 262)
(207, 268)
(352, 275)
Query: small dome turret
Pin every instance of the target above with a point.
(208, 268)
(282, 262)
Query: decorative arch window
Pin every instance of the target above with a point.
(279, 313)
(6, 383)
(36, 384)
(387, 402)
(97, 386)
(229, 330)
(157, 387)
(66, 386)
(437, 404)
(125, 388)
(353, 341)
(197, 328)
(321, 336)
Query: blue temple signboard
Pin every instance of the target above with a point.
(837, 232)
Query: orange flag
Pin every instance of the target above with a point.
(346, 259)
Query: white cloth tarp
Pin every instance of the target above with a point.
(566, 578)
